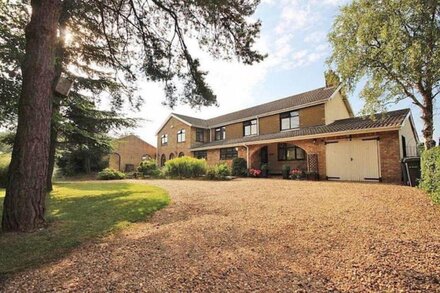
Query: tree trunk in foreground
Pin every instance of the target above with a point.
(24, 203)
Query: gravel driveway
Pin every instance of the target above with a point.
(262, 235)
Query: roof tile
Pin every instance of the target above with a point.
(314, 96)
(381, 120)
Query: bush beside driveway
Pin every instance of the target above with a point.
(257, 234)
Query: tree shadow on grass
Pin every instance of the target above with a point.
(74, 218)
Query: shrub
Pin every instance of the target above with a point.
(185, 167)
(110, 174)
(239, 167)
(255, 172)
(218, 172)
(4, 165)
(149, 168)
(430, 164)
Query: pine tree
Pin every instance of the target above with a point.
(113, 43)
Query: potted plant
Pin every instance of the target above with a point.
(264, 171)
(286, 171)
(312, 176)
(255, 172)
(296, 174)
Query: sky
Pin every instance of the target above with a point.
(294, 34)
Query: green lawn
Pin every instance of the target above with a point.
(78, 212)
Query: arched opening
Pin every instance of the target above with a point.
(171, 156)
(181, 154)
(163, 159)
(146, 157)
(290, 152)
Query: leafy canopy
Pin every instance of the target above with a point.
(394, 45)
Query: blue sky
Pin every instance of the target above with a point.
(294, 34)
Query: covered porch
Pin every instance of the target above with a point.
(305, 155)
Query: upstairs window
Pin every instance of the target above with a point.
(164, 139)
(287, 152)
(181, 135)
(228, 154)
(220, 133)
(289, 120)
(200, 135)
(250, 127)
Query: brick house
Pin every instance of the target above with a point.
(128, 153)
(314, 131)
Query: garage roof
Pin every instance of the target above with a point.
(392, 119)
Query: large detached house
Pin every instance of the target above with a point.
(315, 131)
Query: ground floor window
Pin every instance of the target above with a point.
(228, 154)
(163, 159)
(181, 154)
(201, 154)
(290, 152)
(171, 156)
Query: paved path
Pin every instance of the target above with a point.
(262, 235)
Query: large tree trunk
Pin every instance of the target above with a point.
(428, 121)
(24, 204)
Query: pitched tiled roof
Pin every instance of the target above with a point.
(316, 96)
(192, 120)
(384, 120)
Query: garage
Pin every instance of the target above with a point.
(353, 160)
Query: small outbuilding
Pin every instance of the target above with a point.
(129, 151)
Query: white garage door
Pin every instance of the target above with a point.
(355, 160)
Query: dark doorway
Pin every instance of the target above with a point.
(264, 156)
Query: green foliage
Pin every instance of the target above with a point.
(149, 168)
(218, 172)
(82, 160)
(431, 172)
(110, 174)
(395, 47)
(6, 142)
(79, 212)
(185, 167)
(331, 78)
(4, 165)
(239, 167)
(129, 37)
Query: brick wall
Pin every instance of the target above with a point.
(173, 147)
(130, 149)
(390, 157)
(312, 116)
(388, 147)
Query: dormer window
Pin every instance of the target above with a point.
(181, 135)
(250, 127)
(289, 120)
(164, 139)
(220, 133)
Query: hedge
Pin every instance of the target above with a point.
(4, 165)
(185, 167)
(239, 167)
(218, 172)
(149, 168)
(430, 181)
(110, 174)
